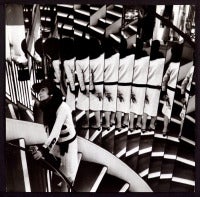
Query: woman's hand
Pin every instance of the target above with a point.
(38, 155)
(108, 96)
(120, 96)
(133, 97)
(146, 99)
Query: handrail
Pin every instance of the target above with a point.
(46, 163)
(170, 24)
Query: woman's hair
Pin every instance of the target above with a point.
(108, 47)
(95, 48)
(155, 53)
(176, 52)
(81, 47)
(50, 107)
(52, 48)
(67, 48)
(123, 48)
(139, 52)
(39, 47)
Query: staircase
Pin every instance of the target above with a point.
(156, 162)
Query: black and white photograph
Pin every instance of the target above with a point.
(100, 97)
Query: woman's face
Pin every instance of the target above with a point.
(44, 94)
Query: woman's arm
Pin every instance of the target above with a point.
(53, 137)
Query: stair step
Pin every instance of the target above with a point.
(120, 140)
(97, 30)
(95, 134)
(113, 14)
(89, 176)
(145, 149)
(155, 165)
(179, 187)
(188, 126)
(108, 139)
(25, 115)
(118, 8)
(112, 184)
(11, 111)
(186, 153)
(103, 23)
(65, 8)
(132, 149)
(16, 167)
(183, 174)
(129, 32)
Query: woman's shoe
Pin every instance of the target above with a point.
(131, 129)
(151, 129)
(124, 125)
(164, 134)
(118, 129)
(95, 127)
(112, 124)
(105, 127)
(137, 127)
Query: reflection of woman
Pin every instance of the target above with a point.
(185, 90)
(51, 49)
(67, 55)
(146, 23)
(110, 83)
(168, 15)
(154, 81)
(124, 84)
(82, 69)
(96, 80)
(169, 84)
(61, 141)
(140, 71)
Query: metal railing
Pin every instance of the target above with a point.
(46, 163)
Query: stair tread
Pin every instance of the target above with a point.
(180, 167)
(186, 151)
(179, 187)
(87, 174)
(111, 184)
(120, 143)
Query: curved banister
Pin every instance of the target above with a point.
(64, 178)
(170, 24)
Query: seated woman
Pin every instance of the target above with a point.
(62, 140)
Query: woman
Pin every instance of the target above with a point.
(124, 84)
(169, 84)
(68, 58)
(61, 141)
(154, 81)
(96, 80)
(140, 72)
(110, 83)
(82, 63)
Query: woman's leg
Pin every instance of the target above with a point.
(126, 119)
(119, 119)
(139, 120)
(107, 119)
(131, 123)
(166, 122)
(144, 121)
(152, 123)
(97, 120)
(112, 118)
(70, 165)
